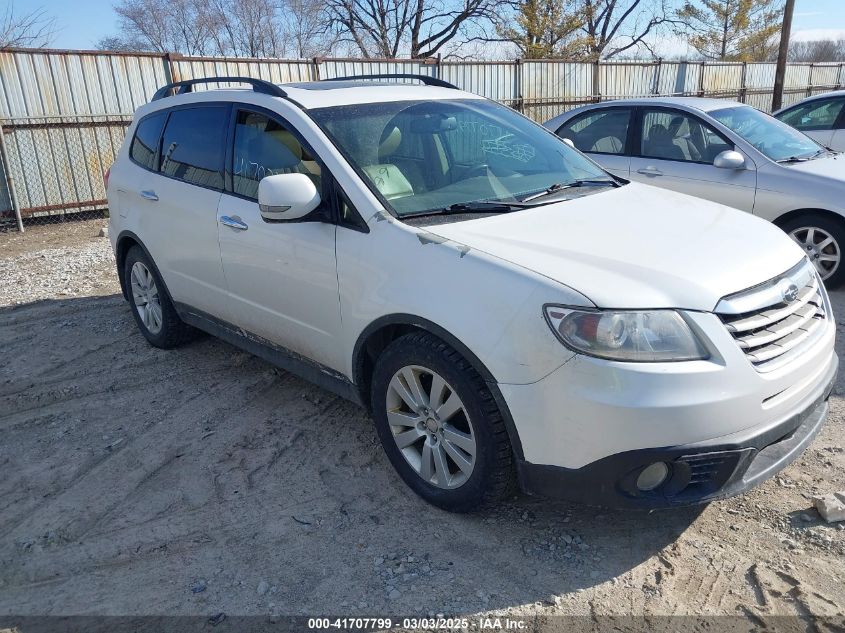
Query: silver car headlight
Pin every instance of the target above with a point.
(626, 335)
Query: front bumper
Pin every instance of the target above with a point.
(698, 473)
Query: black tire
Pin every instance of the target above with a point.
(493, 475)
(173, 331)
(833, 227)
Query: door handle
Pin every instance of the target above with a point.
(650, 171)
(233, 222)
(149, 195)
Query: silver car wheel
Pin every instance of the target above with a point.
(145, 297)
(821, 248)
(431, 426)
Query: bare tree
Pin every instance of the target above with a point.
(420, 28)
(34, 29)
(816, 51)
(615, 27)
(307, 29)
(246, 28)
(182, 26)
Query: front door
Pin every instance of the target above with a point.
(282, 276)
(676, 149)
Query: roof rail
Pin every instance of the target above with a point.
(426, 79)
(182, 87)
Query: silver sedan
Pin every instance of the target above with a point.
(727, 152)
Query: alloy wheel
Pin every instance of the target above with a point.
(146, 298)
(820, 247)
(431, 426)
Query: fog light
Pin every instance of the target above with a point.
(652, 476)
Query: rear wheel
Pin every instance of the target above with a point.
(151, 306)
(439, 424)
(822, 240)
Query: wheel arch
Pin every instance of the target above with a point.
(797, 213)
(375, 338)
(125, 241)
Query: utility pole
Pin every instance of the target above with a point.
(783, 50)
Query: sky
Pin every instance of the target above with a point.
(81, 23)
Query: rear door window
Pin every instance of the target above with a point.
(144, 146)
(599, 132)
(193, 144)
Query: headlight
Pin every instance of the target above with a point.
(627, 335)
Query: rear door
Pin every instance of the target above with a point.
(175, 196)
(603, 134)
(675, 149)
(818, 118)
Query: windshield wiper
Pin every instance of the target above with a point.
(560, 186)
(479, 206)
(801, 159)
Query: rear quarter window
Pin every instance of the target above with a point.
(145, 142)
(193, 145)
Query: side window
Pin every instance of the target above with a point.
(816, 115)
(145, 143)
(349, 215)
(601, 132)
(263, 147)
(675, 135)
(193, 145)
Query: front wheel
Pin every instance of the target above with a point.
(822, 240)
(439, 424)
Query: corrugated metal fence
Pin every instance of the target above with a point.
(63, 114)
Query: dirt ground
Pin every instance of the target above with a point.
(203, 480)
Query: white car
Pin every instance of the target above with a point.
(821, 117)
(726, 152)
(506, 309)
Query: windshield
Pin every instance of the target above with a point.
(773, 138)
(428, 156)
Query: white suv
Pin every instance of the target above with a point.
(506, 309)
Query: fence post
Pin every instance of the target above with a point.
(701, 79)
(168, 67)
(316, 61)
(743, 82)
(810, 86)
(520, 102)
(10, 181)
(655, 89)
(597, 81)
(839, 77)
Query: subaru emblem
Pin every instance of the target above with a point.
(790, 293)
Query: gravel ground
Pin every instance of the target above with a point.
(203, 480)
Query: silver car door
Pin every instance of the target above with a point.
(675, 150)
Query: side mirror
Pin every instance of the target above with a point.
(287, 197)
(729, 159)
(569, 142)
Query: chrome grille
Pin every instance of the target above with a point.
(775, 320)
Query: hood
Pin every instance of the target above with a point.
(636, 246)
(827, 166)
